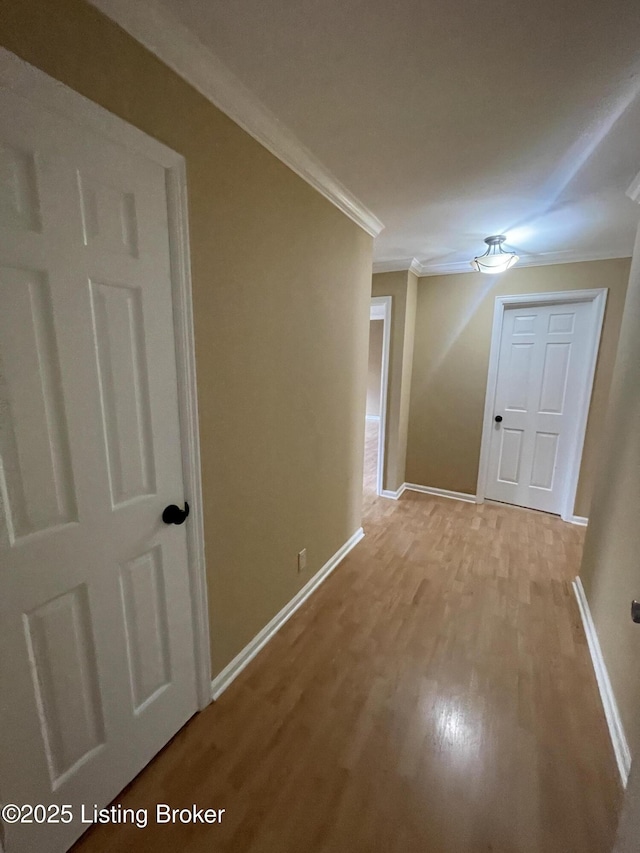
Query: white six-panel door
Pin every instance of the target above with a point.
(96, 641)
(543, 368)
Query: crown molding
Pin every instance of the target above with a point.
(570, 256)
(634, 190)
(176, 46)
(398, 265)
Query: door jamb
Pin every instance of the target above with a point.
(39, 88)
(382, 305)
(598, 298)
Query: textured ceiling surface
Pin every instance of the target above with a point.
(454, 120)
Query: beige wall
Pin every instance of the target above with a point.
(281, 355)
(451, 356)
(402, 287)
(376, 332)
(629, 824)
(610, 569)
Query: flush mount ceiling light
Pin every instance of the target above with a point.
(495, 259)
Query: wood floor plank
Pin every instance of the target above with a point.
(434, 695)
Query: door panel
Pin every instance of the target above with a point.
(36, 480)
(518, 377)
(542, 371)
(109, 217)
(145, 608)
(19, 201)
(96, 638)
(60, 643)
(555, 373)
(545, 450)
(562, 323)
(124, 389)
(523, 324)
(510, 453)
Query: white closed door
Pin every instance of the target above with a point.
(96, 636)
(542, 373)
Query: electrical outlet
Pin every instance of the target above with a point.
(302, 560)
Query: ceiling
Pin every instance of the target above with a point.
(456, 119)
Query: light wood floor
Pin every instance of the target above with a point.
(435, 695)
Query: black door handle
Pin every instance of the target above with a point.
(498, 419)
(172, 514)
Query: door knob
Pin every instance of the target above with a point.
(172, 514)
(498, 419)
(635, 610)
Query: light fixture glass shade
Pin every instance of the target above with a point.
(495, 260)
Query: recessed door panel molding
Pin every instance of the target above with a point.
(542, 363)
(510, 454)
(65, 678)
(19, 201)
(555, 373)
(97, 596)
(145, 608)
(562, 324)
(36, 477)
(518, 377)
(524, 324)
(545, 450)
(124, 387)
(109, 216)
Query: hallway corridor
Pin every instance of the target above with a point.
(435, 695)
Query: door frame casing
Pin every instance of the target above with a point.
(50, 95)
(382, 307)
(598, 298)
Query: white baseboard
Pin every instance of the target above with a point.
(441, 493)
(387, 493)
(577, 519)
(235, 667)
(616, 730)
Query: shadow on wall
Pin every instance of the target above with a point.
(488, 283)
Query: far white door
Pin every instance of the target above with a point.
(96, 635)
(544, 368)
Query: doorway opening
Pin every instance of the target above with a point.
(376, 412)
